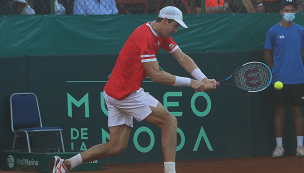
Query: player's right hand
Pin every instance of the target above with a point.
(209, 86)
(196, 85)
(203, 86)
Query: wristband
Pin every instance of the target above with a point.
(182, 81)
(198, 74)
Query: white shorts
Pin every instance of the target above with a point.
(135, 105)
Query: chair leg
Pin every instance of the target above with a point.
(63, 150)
(28, 142)
(14, 142)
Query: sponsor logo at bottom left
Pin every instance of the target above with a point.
(10, 161)
(29, 162)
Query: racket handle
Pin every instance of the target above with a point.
(218, 84)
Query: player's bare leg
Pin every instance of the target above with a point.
(298, 119)
(168, 125)
(279, 126)
(119, 136)
(279, 120)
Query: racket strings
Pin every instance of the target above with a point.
(252, 77)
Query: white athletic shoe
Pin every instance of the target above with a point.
(56, 165)
(278, 151)
(300, 151)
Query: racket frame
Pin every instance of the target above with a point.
(256, 62)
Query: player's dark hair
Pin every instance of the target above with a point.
(159, 19)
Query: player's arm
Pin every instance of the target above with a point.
(184, 60)
(268, 57)
(159, 76)
(189, 65)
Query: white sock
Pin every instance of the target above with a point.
(300, 140)
(279, 141)
(169, 167)
(75, 161)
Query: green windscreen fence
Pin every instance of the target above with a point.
(223, 123)
(106, 34)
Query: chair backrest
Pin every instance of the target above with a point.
(24, 111)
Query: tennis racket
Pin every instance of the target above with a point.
(250, 77)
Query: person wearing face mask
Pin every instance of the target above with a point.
(284, 54)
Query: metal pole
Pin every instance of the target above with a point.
(191, 6)
(202, 6)
(52, 6)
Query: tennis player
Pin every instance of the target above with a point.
(126, 99)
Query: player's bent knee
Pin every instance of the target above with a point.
(118, 149)
(171, 122)
(174, 121)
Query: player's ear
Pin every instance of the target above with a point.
(165, 21)
(281, 12)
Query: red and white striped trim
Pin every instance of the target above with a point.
(174, 49)
(147, 58)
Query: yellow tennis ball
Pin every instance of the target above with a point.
(278, 85)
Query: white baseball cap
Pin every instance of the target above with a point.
(23, 1)
(174, 13)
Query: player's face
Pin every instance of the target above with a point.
(288, 9)
(170, 28)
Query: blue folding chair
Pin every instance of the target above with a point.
(26, 119)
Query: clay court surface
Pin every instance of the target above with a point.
(263, 164)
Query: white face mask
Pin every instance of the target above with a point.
(289, 16)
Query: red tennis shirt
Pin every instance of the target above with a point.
(128, 73)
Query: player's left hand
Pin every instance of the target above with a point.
(210, 84)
